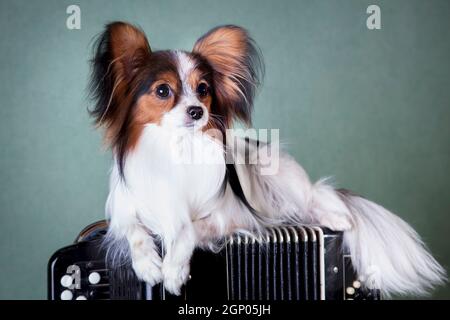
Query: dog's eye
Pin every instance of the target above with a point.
(163, 91)
(203, 90)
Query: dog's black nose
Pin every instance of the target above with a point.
(195, 112)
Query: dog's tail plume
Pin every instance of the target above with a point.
(386, 252)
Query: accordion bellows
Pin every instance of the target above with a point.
(286, 263)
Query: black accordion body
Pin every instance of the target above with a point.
(289, 263)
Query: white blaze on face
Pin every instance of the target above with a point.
(185, 67)
(178, 116)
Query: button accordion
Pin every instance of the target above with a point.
(287, 263)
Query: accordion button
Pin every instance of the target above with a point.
(66, 295)
(357, 284)
(94, 278)
(81, 298)
(350, 290)
(66, 281)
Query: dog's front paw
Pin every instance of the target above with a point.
(175, 276)
(148, 268)
(335, 222)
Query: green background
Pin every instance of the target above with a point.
(371, 108)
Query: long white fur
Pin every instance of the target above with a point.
(386, 252)
(186, 205)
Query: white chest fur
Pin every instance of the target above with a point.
(172, 176)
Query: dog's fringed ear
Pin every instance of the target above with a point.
(119, 52)
(238, 69)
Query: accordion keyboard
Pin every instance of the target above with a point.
(284, 263)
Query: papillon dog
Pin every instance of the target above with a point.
(175, 178)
